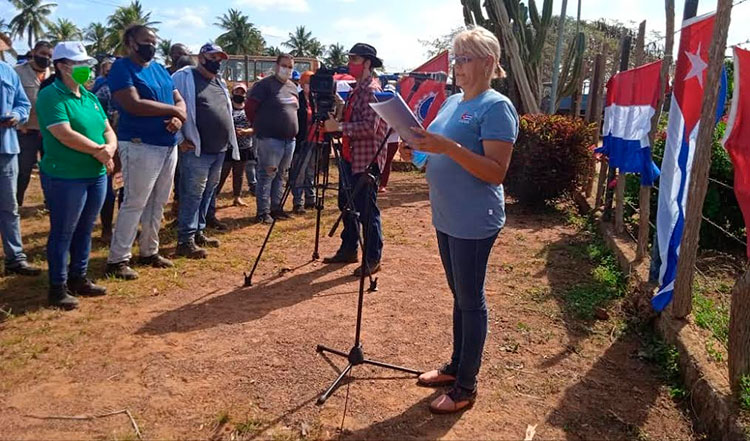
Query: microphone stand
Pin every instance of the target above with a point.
(355, 357)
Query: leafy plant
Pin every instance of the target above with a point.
(712, 316)
(551, 158)
(744, 395)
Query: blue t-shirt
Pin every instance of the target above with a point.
(464, 206)
(152, 83)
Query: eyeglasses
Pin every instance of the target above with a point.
(462, 59)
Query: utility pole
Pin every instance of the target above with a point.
(558, 56)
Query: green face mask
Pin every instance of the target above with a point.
(81, 74)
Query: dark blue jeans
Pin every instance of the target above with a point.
(366, 198)
(199, 177)
(465, 263)
(74, 205)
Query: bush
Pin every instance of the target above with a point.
(720, 206)
(551, 158)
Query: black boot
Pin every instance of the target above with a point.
(81, 286)
(59, 297)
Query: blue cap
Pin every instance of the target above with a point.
(211, 48)
(295, 75)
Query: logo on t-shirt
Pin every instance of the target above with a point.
(466, 118)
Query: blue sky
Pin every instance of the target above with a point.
(394, 27)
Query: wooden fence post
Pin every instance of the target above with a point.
(594, 114)
(739, 332)
(621, 177)
(644, 228)
(607, 195)
(683, 288)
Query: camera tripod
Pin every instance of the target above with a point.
(320, 152)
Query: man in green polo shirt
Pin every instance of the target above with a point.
(79, 145)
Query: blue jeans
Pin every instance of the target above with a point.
(304, 163)
(199, 177)
(465, 264)
(10, 220)
(250, 173)
(274, 158)
(74, 205)
(366, 198)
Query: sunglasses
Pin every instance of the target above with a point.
(462, 59)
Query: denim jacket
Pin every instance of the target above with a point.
(13, 101)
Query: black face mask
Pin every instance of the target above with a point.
(146, 52)
(239, 99)
(42, 62)
(212, 66)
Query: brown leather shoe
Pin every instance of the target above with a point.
(436, 378)
(455, 400)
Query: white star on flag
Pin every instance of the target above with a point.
(697, 66)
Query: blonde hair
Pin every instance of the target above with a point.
(480, 42)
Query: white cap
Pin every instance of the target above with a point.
(71, 50)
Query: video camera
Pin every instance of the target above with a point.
(323, 89)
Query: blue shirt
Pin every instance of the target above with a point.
(464, 206)
(152, 83)
(13, 101)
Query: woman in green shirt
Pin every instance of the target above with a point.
(79, 145)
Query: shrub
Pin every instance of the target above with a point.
(720, 206)
(551, 158)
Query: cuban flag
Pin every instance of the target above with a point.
(430, 95)
(737, 136)
(632, 97)
(682, 131)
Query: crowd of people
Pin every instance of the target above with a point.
(140, 129)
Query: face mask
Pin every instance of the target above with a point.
(146, 52)
(42, 62)
(284, 73)
(81, 74)
(356, 70)
(212, 66)
(239, 99)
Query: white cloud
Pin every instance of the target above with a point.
(273, 32)
(399, 45)
(283, 5)
(184, 20)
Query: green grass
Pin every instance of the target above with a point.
(666, 357)
(712, 316)
(607, 283)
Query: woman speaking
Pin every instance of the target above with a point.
(469, 145)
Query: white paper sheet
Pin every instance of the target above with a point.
(399, 117)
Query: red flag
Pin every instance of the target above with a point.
(427, 100)
(737, 136)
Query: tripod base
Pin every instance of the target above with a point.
(356, 357)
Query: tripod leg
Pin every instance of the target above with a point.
(322, 399)
(319, 196)
(293, 173)
(392, 367)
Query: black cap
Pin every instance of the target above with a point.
(367, 51)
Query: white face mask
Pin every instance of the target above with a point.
(284, 73)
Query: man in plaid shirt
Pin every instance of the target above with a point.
(363, 132)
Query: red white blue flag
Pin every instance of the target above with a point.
(682, 131)
(430, 95)
(632, 98)
(737, 136)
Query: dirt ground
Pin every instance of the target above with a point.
(194, 355)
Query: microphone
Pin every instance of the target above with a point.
(441, 77)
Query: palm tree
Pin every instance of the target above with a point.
(336, 55)
(241, 36)
(97, 36)
(126, 16)
(63, 30)
(303, 44)
(31, 18)
(162, 50)
(273, 51)
(4, 27)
